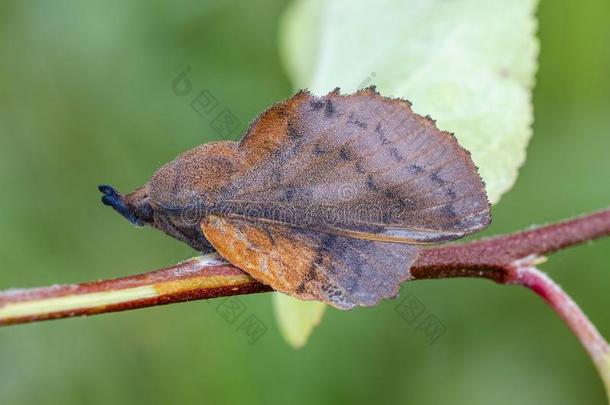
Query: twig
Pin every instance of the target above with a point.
(210, 277)
(492, 257)
(506, 259)
(194, 279)
(524, 273)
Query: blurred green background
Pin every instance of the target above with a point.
(85, 98)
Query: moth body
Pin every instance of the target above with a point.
(324, 198)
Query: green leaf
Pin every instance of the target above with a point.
(296, 319)
(470, 64)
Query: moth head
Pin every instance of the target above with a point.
(178, 194)
(135, 207)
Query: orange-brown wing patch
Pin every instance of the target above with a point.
(270, 132)
(341, 271)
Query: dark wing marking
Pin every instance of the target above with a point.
(341, 271)
(359, 165)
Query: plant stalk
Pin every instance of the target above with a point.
(506, 259)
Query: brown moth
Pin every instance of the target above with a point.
(324, 198)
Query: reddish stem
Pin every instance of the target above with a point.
(524, 273)
(491, 258)
(528, 276)
(507, 259)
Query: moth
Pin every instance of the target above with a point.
(324, 198)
